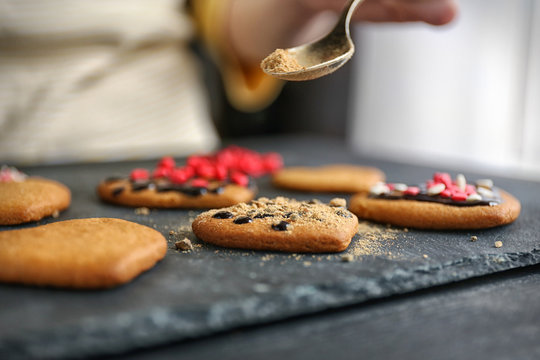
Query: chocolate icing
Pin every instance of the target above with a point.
(423, 196)
(164, 186)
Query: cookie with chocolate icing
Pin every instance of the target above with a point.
(339, 178)
(440, 203)
(25, 199)
(205, 181)
(83, 253)
(279, 224)
(162, 193)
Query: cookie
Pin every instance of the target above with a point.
(84, 253)
(279, 224)
(24, 199)
(205, 181)
(440, 203)
(165, 194)
(339, 178)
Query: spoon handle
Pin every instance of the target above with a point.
(344, 21)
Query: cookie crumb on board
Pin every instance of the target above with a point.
(184, 245)
(347, 258)
(425, 256)
(498, 244)
(142, 211)
(474, 238)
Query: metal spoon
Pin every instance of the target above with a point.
(323, 56)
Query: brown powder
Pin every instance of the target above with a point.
(281, 61)
(373, 240)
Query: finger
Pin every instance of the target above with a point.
(435, 12)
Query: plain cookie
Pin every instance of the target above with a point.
(84, 253)
(338, 178)
(24, 199)
(279, 224)
(438, 204)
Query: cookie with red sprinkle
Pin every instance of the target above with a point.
(215, 180)
(439, 203)
(27, 198)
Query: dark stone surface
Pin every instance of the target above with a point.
(210, 289)
(494, 317)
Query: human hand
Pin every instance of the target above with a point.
(434, 12)
(259, 27)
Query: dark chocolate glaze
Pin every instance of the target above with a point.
(281, 226)
(423, 196)
(262, 216)
(223, 215)
(117, 191)
(243, 220)
(164, 186)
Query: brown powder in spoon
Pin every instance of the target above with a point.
(281, 61)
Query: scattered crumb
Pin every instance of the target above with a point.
(338, 202)
(498, 244)
(172, 233)
(373, 240)
(425, 256)
(142, 211)
(405, 229)
(55, 214)
(307, 263)
(474, 238)
(347, 258)
(184, 245)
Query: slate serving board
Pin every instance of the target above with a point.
(190, 294)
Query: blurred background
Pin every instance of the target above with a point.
(464, 95)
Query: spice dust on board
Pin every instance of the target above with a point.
(373, 239)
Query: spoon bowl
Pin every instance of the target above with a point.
(323, 56)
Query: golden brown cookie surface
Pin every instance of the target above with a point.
(129, 193)
(83, 253)
(279, 224)
(31, 199)
(440, 203)
(331, 178)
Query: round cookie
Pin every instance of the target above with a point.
(166, 195)
(25, 199)
(429, 207)
(215, 180)
(279, 224)
(83, 253)
(340, 178)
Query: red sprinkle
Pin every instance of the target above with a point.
(412, 190)
(459, 197)
(444, 178)
(239, 178)
(161, 172)
(391, 187)
(139, 174)
(166, 162)
(446, 193)
(205, 171)
(198, 182)
(220, 172)
(179, 176)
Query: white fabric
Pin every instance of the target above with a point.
(98, 80)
